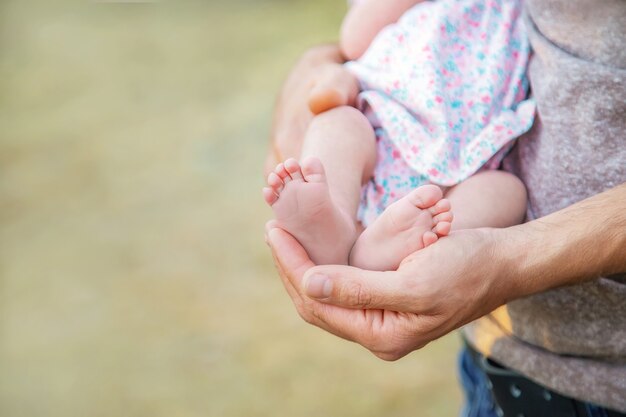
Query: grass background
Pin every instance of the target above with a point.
(133, 276)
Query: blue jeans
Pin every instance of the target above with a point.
(478, 399)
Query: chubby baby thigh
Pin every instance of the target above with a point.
(393, 179)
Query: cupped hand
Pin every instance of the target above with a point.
(434, 291)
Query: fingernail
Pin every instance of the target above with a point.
(318, 286)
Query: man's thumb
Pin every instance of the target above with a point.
(351, 287)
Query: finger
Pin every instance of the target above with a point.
(376, 330)
(387, 334)
(269, 225)
(349, 324)
(335, 86)
(290, 254)
(291, 261)
(355, 288)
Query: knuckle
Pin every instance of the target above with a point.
(389, 353)
(393, 348)
(307, 318)
(315, 316)
(410, 286)
(388, 356)
(356, 295)
(303, 312)
(386, 345)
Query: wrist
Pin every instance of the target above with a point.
(514, 253)
(546, 253)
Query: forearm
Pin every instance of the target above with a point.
(581, 242)
(365, 19)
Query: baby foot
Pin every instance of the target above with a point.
(409, 224)
(299, 196)
(335, 86)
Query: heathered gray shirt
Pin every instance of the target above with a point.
(572, 339)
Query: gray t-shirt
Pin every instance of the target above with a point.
(572, 339)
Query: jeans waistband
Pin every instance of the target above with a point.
(517, 396)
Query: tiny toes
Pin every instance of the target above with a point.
(282, 173)
(442, 228)
(313, 170)
(274, 181)
(425, 196)
(429, 238)
(269, 195)
(446, 216)
(293, 168)
(441, 207)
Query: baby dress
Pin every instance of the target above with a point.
(445, 89)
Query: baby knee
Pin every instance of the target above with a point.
(345, 116)
(345, 121)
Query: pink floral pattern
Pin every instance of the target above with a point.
(445, 88)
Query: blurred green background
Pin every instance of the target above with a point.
(134, 278)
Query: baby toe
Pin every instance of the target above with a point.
(313, 170)
(442, 228)
(293, 168)
(425, 196)
(440, 207)
(429, 238)
(275, 182)
(446, 216)
(269, 195)
(282, 173)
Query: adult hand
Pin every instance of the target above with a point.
(435, 291)
(458, 279)
(292, 114)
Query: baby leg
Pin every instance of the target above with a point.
(488, 199)
(316, 200)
